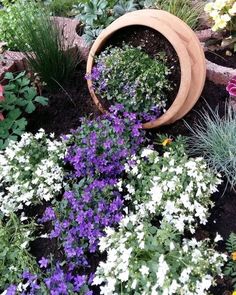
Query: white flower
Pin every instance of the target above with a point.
(218, 238)
(144, 270)
(146, 152)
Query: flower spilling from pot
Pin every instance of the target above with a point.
(129, 76)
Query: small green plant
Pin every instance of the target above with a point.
(131, 77)
(18, 97)
(214, 138)
(10, 32)
(48, 51)
(60, 7)
(96, 15)
(15, 258)
(183, 9)
(230, 269)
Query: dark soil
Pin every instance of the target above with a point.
(66, 107)
(153, 43)
(219, 57)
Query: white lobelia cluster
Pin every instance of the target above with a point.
(172, 185)
(30, 171)
(145, 257)
(145, 260)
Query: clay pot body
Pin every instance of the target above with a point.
(187, 46)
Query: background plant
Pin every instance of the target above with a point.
(213, 137)
(96, 15)
(230, 268)
(9, 22)
(42, 176)
(223, 17)
(129, 76)
(18, 97)
(185, 10)
(48, 52)
(60, 7)
(15, 258)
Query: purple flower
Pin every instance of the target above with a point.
(48, 215)
(43, 263)
(11, 290)
(231, 87)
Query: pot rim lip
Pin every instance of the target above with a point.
(171, 36)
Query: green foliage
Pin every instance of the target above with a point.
(48, 51)
(183, 9)
(60, 7)
(214, 138)
(96, 15)
(10, 15)
(19, 97)
(124, 6)
(130, 77)
(230, 268)
(14, 250)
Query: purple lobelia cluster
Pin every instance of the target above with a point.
(96, 154)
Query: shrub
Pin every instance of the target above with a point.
(16, 98)
(129, 76)
(14, 248)
(47, 52)
(30, 172)
(10, 32)
(230, 268)
(213, 137)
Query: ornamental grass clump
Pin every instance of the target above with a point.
(213, 137)
(131, 77)
(46, 48)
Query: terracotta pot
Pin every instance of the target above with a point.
(187, 47)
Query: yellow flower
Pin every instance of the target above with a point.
(208, 7)
(234, 258)
(219, 4)
(167, 141)
(226, 17)
(232, 11)
(234, 293)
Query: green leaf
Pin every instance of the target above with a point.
(14, 114)
(9, 76)
(42, 100)
(30, 107)
(20, 75)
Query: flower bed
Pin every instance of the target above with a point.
(96, 205)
